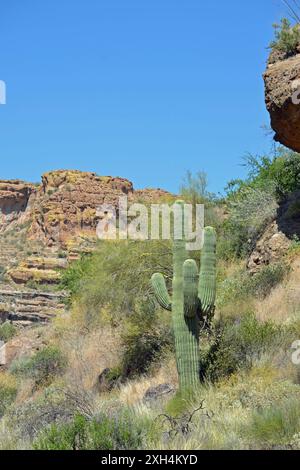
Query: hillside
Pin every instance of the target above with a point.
(90, 353)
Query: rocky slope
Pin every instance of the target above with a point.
(45, 227)
(278, 235)
(282, 80)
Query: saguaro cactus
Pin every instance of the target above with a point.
(192, 301)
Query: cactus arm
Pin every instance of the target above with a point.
(190, 288)
(160, 290)
(207, 278)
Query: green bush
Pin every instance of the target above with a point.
(146, 334)
(7, 331)
(275, 426)
(101, 433)
(249, 214)
(116, 276)
(8, 391)
(243, 286)
(252, 203)
(43, 366)
(236, 344)
(261, 284)
(287, 37)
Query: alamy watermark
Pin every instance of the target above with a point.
(2, 353)
(296, 353)
(157, 222)
(2, 92)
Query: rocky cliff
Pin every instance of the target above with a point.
(282, 80)
(46, 226)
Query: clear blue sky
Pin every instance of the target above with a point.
(143, 89)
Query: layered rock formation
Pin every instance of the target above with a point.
(27, 307)
(44, 227)
(282, 80)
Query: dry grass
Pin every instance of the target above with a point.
(89, 354)
(228, 412)
(283, 303)
(133, 391)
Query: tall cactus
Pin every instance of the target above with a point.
(193, 300)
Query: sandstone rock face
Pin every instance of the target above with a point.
(67, 201)
(39, 270)
(23, 346)
(282, 80)
(25, 308)
(65, 205)
(15, 200)
(45, 227)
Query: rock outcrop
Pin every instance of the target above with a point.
(67, 201)
(282, 80)
(39, 270)
(25, 308)
(16, 198)
(45, 227)
(278, 236)
(270, 248)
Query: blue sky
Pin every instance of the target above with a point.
(143, 89)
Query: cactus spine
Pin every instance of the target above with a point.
(193, 300)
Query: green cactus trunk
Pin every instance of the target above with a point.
(185, 328)
(192, 301)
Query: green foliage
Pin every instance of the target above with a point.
(287, 37)
(8, 392)
(7, 331)
(236, 344)
(252, 203)
(101, 433)
(146, 335)
(44, 366)
(281, 171)
(261, 284)
(276, 425)
(74, 275)
(116, 277)
(244, 285)
(180, 403)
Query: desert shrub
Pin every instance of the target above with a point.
(252, 202)
(287, 37)
(116, 276)
(280, 170)
(194, 188)
(44, 366)
(8, 391)
(101, 433)
(261, 284)
(54, 404)
(146, 334)
(243, 285)
(249, 214)
(275, 426)
(236, 344)
(7, 331)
